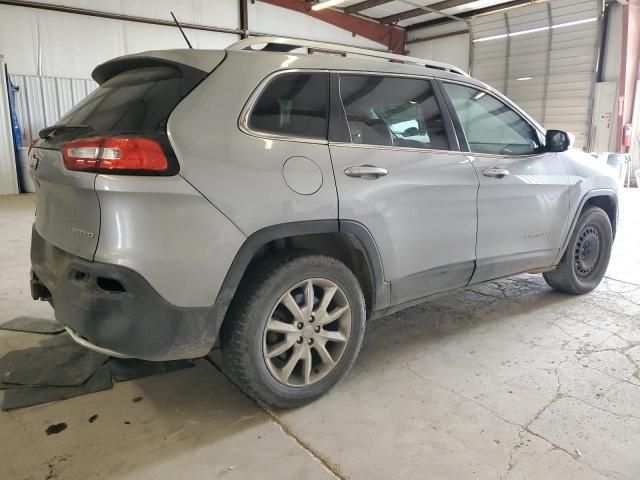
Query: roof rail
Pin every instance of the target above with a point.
(284, 44)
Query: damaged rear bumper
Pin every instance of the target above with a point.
(113, 309)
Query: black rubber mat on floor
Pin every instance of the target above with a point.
(28, 396)
(123, 369)
(59, 369)
(60, 366)
(32, 325)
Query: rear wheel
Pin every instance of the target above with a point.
(295, 328)
(587, 256)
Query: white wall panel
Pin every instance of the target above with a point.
(453, 50)
(267, 18)
(41, 101)
(72, 45)
(18, 39)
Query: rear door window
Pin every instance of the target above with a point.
(392, 111)
(293, 105)
(137, 101)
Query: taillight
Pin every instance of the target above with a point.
(115, 154)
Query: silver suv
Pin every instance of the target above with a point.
(275, 201)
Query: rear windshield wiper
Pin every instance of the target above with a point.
(49, 131)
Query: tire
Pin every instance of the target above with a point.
(586, 259)
(262, 335)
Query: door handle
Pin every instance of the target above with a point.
(496, 172)
(368, 172)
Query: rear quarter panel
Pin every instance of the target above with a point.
(164, 229)
(241, 174)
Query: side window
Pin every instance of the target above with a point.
(392, 111)
(491, 126)
(294, 105)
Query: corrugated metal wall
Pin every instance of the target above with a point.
(41, 101)
(550, 71)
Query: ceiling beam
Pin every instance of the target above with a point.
(358, 7)
(420, 11)
(391, 37)
(435, 37)
(473, 13)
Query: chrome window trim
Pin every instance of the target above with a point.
(245, 113)
(395, 148)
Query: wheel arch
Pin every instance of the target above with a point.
(606, 199)
(348, 241)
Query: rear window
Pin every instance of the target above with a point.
(138, 101)
(293, 105)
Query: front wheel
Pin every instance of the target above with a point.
(295, 328)
(587, 256)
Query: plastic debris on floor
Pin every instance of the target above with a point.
(59, 369)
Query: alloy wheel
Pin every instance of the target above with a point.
(307, 332)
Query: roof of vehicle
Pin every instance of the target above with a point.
(292, 53)
(284, 44)
(350, 58)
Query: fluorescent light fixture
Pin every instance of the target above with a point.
(479, 95)
(326, 4)
(534, 30)
(494, 37)
(577, 22)
(523, 79)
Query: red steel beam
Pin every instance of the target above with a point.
(630, 59)
(391, 37)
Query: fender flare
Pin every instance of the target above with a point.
(258, 239)
(600, 192)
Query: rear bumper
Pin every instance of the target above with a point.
(112, 308)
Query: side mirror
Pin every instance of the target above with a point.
(558, 141)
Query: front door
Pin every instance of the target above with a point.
(524, 191)
(398, 174)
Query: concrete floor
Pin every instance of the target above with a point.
(506, 380)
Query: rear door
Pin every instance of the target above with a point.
(524, 191)
(399, 172)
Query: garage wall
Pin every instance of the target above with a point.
(56, 44)
(453, 49)
(267, 18)
(548, 71)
